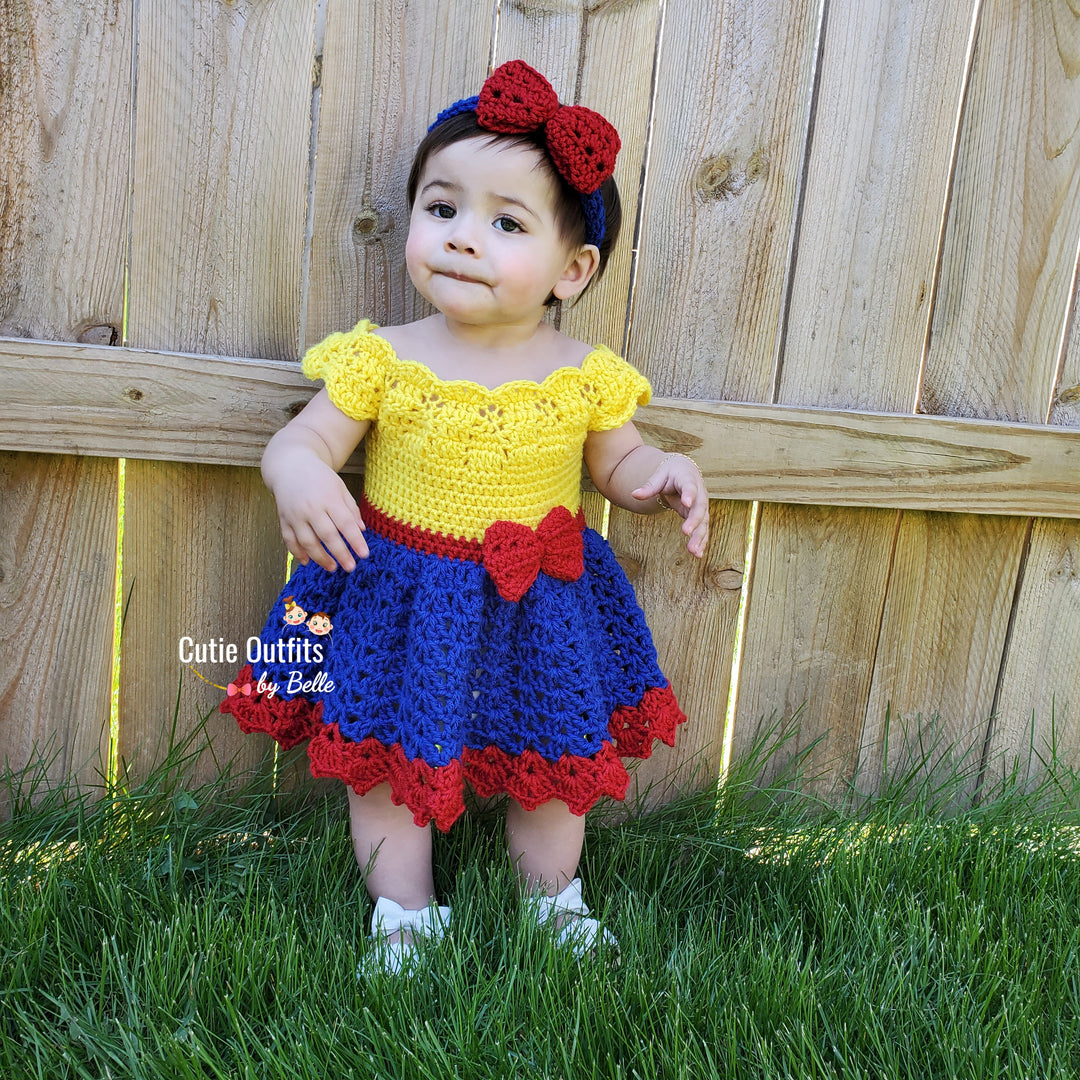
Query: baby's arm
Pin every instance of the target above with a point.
(632, 475)
(300, 467)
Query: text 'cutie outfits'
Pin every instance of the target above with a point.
(490, 638)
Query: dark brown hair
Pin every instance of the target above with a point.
(569, 215)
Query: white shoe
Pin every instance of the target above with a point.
(393, 957)
(581, 935)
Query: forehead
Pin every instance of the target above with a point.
(492, 167)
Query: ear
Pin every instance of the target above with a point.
(578, 273)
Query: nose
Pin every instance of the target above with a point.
(461, 238)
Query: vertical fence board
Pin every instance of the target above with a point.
(892, 75)
(1010, 248)
(57, 571)
(382, 84)
(1038, 711)
(1029, 301)
(937, 662)
(1065, 410)
(220, 188)
(65, 97)
(734, 85)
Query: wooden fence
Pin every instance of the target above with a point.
(851, 270)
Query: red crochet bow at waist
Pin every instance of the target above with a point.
(511, 553)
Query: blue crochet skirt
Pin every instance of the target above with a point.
(423, 676)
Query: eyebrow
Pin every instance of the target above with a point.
(449, 185)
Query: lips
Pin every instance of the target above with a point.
(460, 277)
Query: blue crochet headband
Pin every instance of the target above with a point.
(582, 145)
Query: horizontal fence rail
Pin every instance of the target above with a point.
(140, 403)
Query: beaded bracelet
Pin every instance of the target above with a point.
(675, 453)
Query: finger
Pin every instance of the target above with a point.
(331, 539)
(294, 547)
(312, 546)
(350, 504)
(658, 482)
(698, 512)
(352, 531)
(648, 491)
(699, 539)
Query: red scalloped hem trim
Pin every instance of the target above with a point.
(436, 793)
(634, 728)
(289, 722)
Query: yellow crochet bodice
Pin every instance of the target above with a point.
(453, 456)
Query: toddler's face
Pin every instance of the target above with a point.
(483, 246)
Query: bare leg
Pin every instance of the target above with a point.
(544, 845)
(402, 868)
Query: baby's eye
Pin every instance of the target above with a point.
(507, 224)
(441, 210)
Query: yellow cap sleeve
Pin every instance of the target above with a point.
(615, 389)
(353, 366)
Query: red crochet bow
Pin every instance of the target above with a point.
(513, 554)
(517, 98)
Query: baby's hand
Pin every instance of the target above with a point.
(677, 484)
(314, 509)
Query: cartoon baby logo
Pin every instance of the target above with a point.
(320, 624)
(295, 615)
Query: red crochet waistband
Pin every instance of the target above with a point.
(436, 543)
(512, 553)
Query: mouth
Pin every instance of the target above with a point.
(460, 277)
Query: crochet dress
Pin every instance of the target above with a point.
(490, 638)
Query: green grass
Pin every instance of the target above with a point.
(175, 933)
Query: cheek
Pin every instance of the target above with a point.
(518, 265)
(419, 241)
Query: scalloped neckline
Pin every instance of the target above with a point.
(472, 384)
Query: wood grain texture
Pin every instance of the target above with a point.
(65, 99)
(57, 575)
(732, 98)
(820, 643)
(937, 661)
(1065, 410)
(1005, 298)
(382, 84)
(220, 189)
(220, 182)
(1014, 222)
(144, 403)
(1006, 267)
(892, 76)
(1038, 708)
(65, 131)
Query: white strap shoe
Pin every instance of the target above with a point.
(581, 935)
(393, 957)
